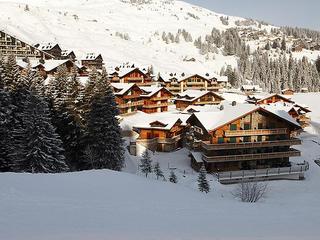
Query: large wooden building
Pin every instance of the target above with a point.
(51, 48)
(11, 45)
(243, 137)
(127, 97)
(92, 60)
(273, 98)
(156, 99)
(141, 77)
(196, 97)
(162, 135)
(178, 84)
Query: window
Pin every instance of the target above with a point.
(233, 140)
(260, 126)
(247, 139)
(233, 127)
(220, 140)
(247, 126)
(259, 139)
(198, 130)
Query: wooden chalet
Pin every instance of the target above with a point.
(68, 54)
(127, 97)
(11, 45)
(242, 137)
(300, 113)
(51, 48)
(287, 91)
(180, 83)
(92, 60)
(197, 97)
(250, 89)
(162, 135)
(156, 99)
(273, 98)
(141, 77)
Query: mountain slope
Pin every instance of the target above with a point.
(95, 25)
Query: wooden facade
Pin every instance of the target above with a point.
(50, 48)
(194, 82)
(128, 100)
(208, 98)
(255, 140)
(159, 137)
(10, 45)
(91, 60)
(134, 75)
(287, 91)
(156, 101)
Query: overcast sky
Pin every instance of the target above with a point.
(301, 13)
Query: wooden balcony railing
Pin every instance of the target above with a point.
(255, 132)
(170, 140)
(196, 84)
(156, 105)
(248, 157)
(290, 142)
(134, 79)
(160, 98)
(131, 96)
(133, 104)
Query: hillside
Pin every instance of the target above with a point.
(123, 31)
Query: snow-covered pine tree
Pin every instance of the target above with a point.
(11, 76)
(157, 170)
(283, 44)
(38, 148)
(103, 133)
(318, 64)
(146, 163)
(172, 177)
(203, 183)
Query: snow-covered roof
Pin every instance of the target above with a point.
(217, 118)
(46, 46)
(65, 53)
(150, 91)
(50, 65)
(122, 87)
(251, 87)
(192, 95)
(90, 56)
(33, 63)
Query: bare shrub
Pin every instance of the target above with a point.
(250, 191)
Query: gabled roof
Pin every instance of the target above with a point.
(122, 88)
(152, 90)
(187, 76)
(33, 63)
(65, 53)
(216, 119)
(47, 46)
(193, 95)
(50, 65)
(90, 56)
(275, 95)
(162, 124)
(125, 71)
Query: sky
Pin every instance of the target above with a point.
(281, 12)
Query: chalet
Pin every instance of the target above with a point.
(287, 91)
(141, 77)
(304, 90)
(163, 135)
(68, 54)
(50, 48)
(92, 60)
(127, 97)
(178, 83)
(156, 99)
(197, 97)
(273, 98)
(11, 45)
(250, 89)
(242, 138)
(300, 113)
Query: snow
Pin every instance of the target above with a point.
(123, 87)
(111, 205)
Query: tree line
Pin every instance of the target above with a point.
(59, 125)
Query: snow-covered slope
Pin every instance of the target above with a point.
(95, 26)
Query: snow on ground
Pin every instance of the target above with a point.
(111, 205)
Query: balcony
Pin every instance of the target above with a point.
(248, 157)
(160, 98)
(134, 79)
(195, 84)
(294, 172)
(171, 140)
(208, 146)
(255, 132)
(133, 104)
(156, 105)
(207, 102)
(131, 96)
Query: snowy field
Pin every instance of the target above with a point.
(111, 205)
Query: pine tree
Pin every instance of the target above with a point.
(318, 64)
(146, 161)
(173, 178)
(157, 170)
(203, 183)
(103, 133)
(283, 44)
